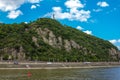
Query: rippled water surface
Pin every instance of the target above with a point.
(62, 74)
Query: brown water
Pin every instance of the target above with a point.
(62, 74)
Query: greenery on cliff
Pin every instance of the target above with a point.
(48, 40)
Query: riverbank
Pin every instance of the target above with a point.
(56, 65)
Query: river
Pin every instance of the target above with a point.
(84, 74)
(63, 74)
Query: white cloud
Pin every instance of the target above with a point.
(85, 31)
(119, 40)
(118, 47)
(79, 15)
(97, 10)
(50, 14)
(57, 9)
(74, 4)
(37, 5)
(33, 7)
(103, 4)
(93, 20)
(58, 13)
(79, 28)
(114, 41)
(10, 5)
(14, 14)
(88, 32)
(34, 1)
(73, 11)
(26, 22)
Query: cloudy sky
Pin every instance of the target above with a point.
(100, 18)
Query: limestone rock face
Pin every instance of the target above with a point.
(21, 54)
(16, 54)
(57, 42)
(67, 45)
(35, 41)
(119, 55)
(60, 42)
(74, 44)
(52, 39)
(43, 34)
(114, 53)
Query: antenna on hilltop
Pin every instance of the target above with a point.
(53, 16)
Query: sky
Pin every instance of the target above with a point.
(100, 18)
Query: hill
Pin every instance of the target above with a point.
(47, 40)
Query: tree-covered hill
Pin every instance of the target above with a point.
(47, 40)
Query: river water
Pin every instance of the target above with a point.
(81, 74)
(112, 73)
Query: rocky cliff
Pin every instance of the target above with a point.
(47, 40)
(57, 42)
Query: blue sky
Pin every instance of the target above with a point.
(100, 18)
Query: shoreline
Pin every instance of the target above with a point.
(87, 67)
(56, 65)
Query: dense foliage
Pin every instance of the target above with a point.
(17, 35)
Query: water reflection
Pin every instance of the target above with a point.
(63, 74)
(85, 74)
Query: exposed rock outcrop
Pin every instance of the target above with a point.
(115, 54)
(35, 41)
(57, 42)
(52, 39)
(13, 53)
(67, 45)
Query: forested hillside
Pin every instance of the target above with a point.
(47, 40)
